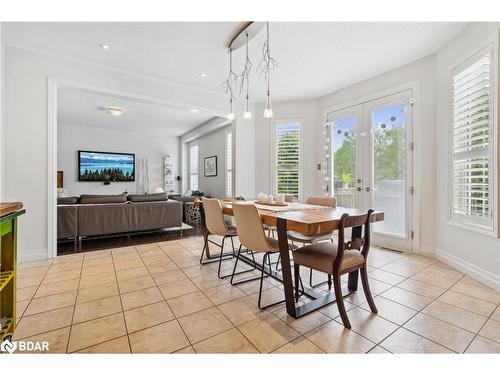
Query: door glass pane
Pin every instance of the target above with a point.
(344, 161)
(389, 168)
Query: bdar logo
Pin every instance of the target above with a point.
(7, 345)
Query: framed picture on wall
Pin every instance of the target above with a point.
(211, 166)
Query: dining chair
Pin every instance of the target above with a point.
(251, 235)
(338, 258)
(270, 229)
(305, 239)
(216, 225)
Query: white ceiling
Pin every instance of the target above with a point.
(82, 108)
(314, 58)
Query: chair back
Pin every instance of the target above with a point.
(249, 227)
(322, 201)
(359, 240)
(214, 218)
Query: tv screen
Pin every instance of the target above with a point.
(105, 166)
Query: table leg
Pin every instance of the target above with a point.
(286, 270)
(352, 281)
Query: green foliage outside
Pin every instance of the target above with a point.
(389, 149)
(111, 174)
(288, 158)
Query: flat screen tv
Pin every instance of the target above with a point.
(105, 166)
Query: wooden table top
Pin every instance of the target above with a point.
(9, 207)
(309, 222)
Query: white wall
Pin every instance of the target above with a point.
(153, 146)
(306, 112)
(476, 253)
(213, 144)
(25, 134)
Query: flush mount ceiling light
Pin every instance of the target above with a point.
(194, 110)
(114, 111)
(104, 46)
(202, 75)
(267, 63)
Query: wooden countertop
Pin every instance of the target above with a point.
(9, 207)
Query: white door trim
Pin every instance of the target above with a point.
(53, 84)
(417, 136)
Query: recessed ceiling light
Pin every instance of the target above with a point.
(194, 110)
(202, 75)
(104, 46)
(114, 111)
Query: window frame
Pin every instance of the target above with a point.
(487, 227)
(274, 169)
(229, 171)
(190, 146)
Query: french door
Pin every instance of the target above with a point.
(371, 164)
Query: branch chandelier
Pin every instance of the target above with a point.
(266, 64)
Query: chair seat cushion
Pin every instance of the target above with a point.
(321, 256)
(273, 242)
(299, 237)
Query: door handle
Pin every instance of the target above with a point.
(368, 189)
(359, 189)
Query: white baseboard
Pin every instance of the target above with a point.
(32, 255)
(486, 277)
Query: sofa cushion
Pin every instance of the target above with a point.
(147, 197)
(67, 200)
(99, 199)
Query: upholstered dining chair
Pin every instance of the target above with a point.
(336, 259)
(271, 230)
(216, 225)
(251, 235)
(305, 239)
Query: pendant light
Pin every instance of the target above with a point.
(268, 63)
(247, 115)
(229, 83)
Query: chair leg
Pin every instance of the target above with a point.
(205, 244)
(268, 256)
(241, 272)
(296, 272)
(329, 282)
(366, 289)
(337, 286)
(220, 258)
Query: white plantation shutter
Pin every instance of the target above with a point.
(472, 149)
(287, 158)
(229, 164)
(193, 167)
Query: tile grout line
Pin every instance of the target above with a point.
(74, 306)
(121, 303)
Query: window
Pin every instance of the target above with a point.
(472, 142)
(193, 166)
(286, 167)
(229, 163)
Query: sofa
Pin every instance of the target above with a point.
(103, 215)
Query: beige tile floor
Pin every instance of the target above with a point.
(156, 298)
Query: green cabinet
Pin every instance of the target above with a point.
(8, 264)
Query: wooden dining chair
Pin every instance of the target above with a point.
(216, 225)
(336, 259)
(251, 235)
(305, 239)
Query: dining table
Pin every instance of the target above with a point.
(309, 220)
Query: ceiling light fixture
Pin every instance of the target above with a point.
(245, 78)
(114, 111)
(229, 84)
(194, 110)
(104, 46)
(264, 68)
(266, 64)
(202, 75)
